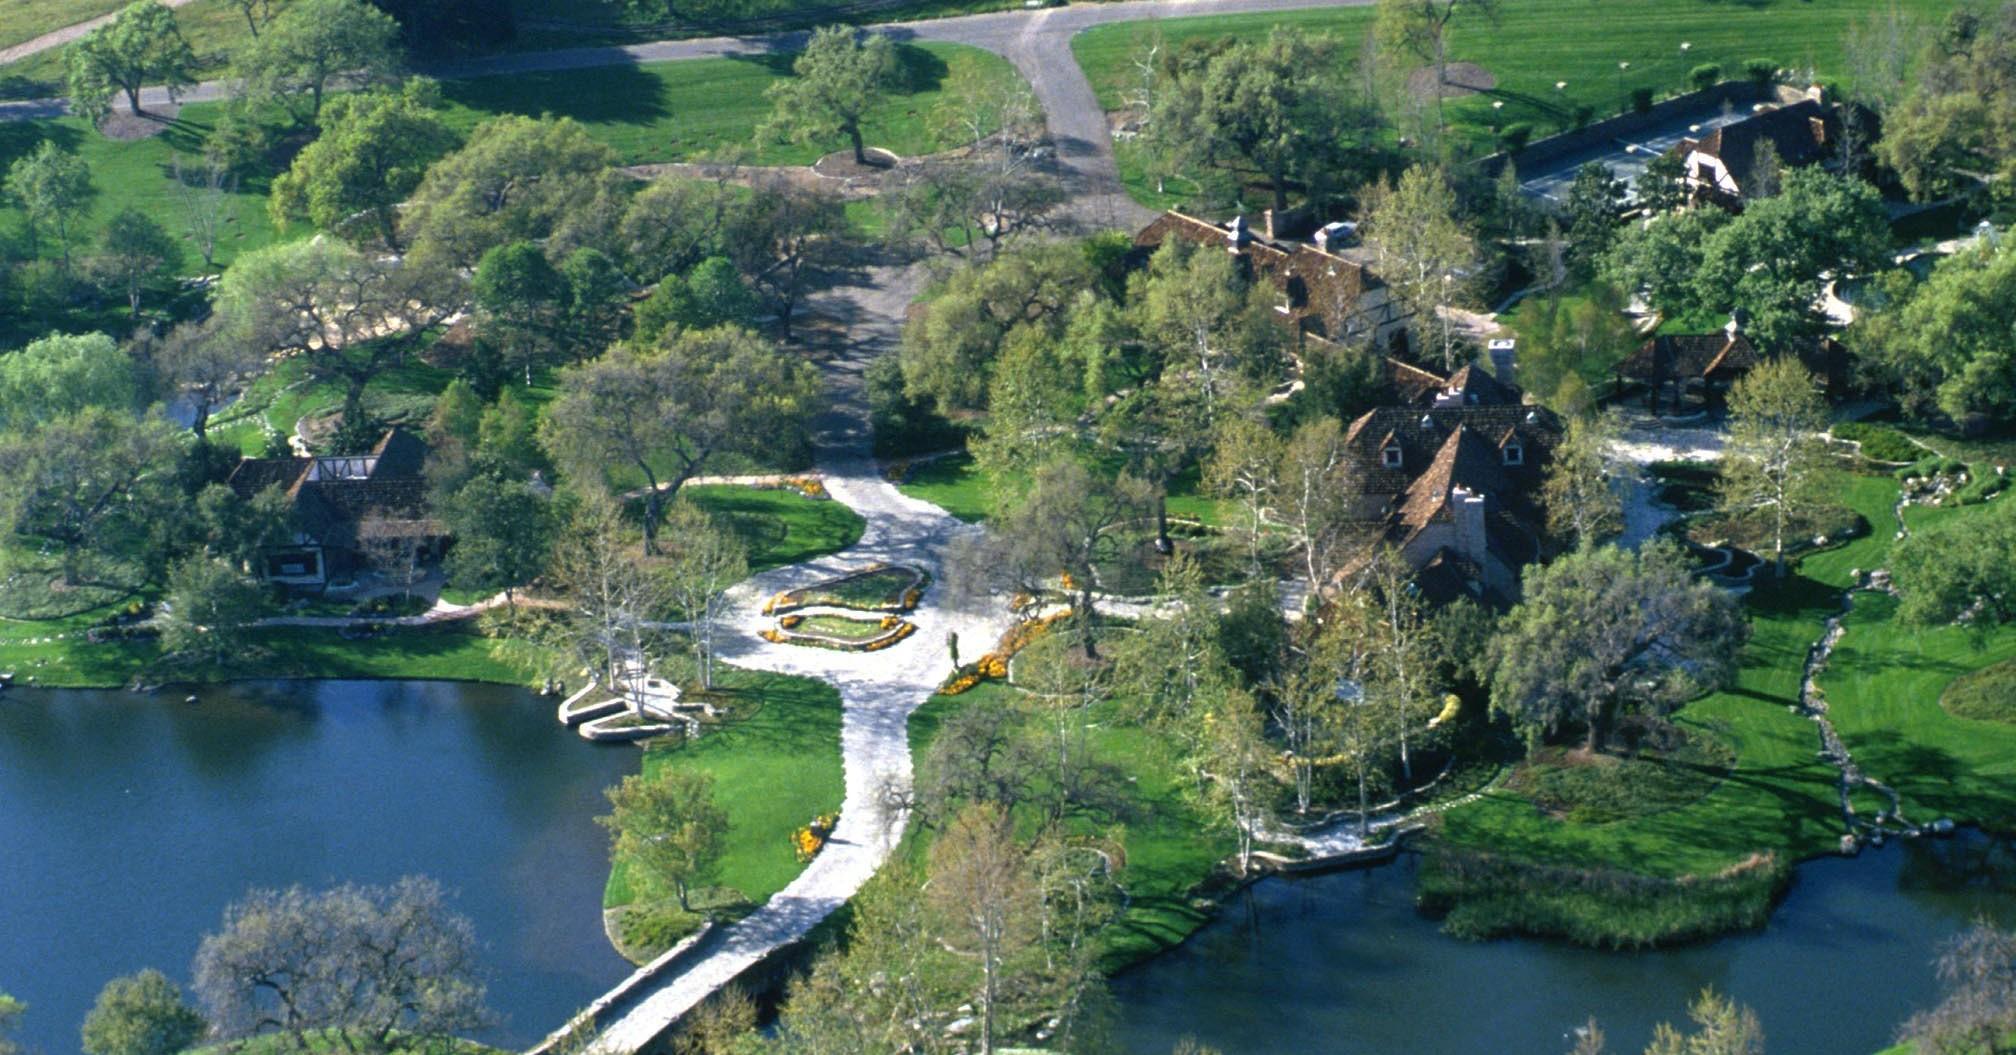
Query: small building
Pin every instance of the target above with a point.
(1720, 167)
(1322, 293)
(1455, 484)
(1676, 369)
(332, 497)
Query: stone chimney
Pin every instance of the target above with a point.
(1504, 359)
(1468, 508)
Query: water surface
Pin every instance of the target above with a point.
(128, 822)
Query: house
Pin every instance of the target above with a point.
(1673, 368)
(1323, 294)
(332, 497)
(1454, 484)
(1721, 166)
(1676, 368)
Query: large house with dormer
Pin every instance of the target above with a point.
(332, 498)
(1452, 480)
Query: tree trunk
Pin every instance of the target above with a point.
(133, 99)
(1163, 544)
(860, 148)
(1599, 715)
(353, 400)
(1086, 613)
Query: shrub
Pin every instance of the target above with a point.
(1514, 137)
(1641, 100)
(1581, 114)
(649, 930)
(1705, 76)
(1761, 72)
(1879, 442)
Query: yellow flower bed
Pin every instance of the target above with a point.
(880, 643)
(994, 665)
(790, 622)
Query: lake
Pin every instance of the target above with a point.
(1345, 961)
(128, 822)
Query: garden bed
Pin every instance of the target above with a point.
(880, 588)
(841, 633)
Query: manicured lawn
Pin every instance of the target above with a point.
(779, 525)
(955, 485)
(773, 772)
(22, 20)
(675, 111)
(1988, 694)
(1536, 43)
(212, 27)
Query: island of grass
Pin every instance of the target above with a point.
(879, 588)
(1987, 695)
(775, 760)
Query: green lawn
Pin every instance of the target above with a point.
(676, 111)
(773, 772)
(1536, 43)
(22, 20)
(780, 525)
(1170, 849)
(955, 485)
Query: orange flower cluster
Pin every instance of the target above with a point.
(1066, 581)
(809, 486)
(806, 843)
(790, 622)
(775, 637)
(902, 631)
(889, 622)
(994, 665)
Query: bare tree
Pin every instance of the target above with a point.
(363, 963)
(206, 365)
(981, 891)
(205, 198)
(1977, 970)
(615, 599)
(394, 548)
(705, 560)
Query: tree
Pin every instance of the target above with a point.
(1959, 568)
(615, 603)
(1776, 455)
(394, 548)
(133, 251)
(1246, 462)
(520, 299)
(1583, 492)
(711, 295)
(1315, 480)
(209, 607)
(1594, 200)
(350, 316)
(205, 197)
(667, 825)
(1977, 971)
(141, 45)
(1603, 632)
(1661, 184)
(11, 1011)
(834, 83)
(79, 479)
(598, 298)
(781, 235)
(503, 535)
(1771, 260)
(1062, 525)
(359, 965)
(696, 395)
(53, 188)
(1421, 248)
(514, 180)
(1881, 52)
(1954, 131)
(235, 529)
(988, 199)
(258, 14)
(205, 364)
(1421, 28)
(63, 374)
(1234, 770)
(374, 151)
(719, 1026)
(951, 345)
(706, 559)
(1564, 339)
(1269, 106)
(1725, 1028)
(308, 47)
(981, 893)
(1944, 342)
(1661, 258)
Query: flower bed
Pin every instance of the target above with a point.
(825, 631)
(994, 665)
(879, 588)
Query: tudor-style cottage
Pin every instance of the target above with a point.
(332, 497)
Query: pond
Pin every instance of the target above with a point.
(128, 822)
(1343, 963)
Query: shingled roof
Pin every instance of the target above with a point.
(1681, 356)
(1800, 133)
(332, 496)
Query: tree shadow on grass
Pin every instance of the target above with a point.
(623, 94)
(917, 70)
(20, 138)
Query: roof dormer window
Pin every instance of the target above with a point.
(1389, 456)
(1515, 453)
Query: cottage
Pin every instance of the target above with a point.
(1455, 484)
(1722, 165)
(333, 497)
(1675, 369)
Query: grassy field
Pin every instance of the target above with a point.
(22, 20)
(674, 111)
(1537, 43)
(779, 525)
(774, 770)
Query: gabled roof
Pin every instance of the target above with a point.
(1466, 460)
(1799, 133)
(1474, 387)
(1422, 432)
(328, 506)
(1688, 355)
